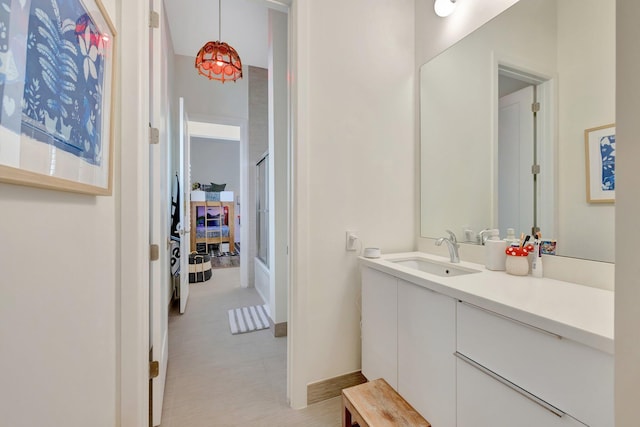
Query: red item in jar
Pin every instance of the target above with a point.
(513, 251)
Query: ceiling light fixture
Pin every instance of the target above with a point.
(444, 7)
(217, 60)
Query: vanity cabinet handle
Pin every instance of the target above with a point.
(555, 411)
(535, 328)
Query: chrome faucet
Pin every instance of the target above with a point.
(482, 236)
(452, 245)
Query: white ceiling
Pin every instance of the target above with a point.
(244, 26)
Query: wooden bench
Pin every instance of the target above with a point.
(376, 404)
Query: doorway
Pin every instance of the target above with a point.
(278, 139)
(525, 151)
(216, 174)
(210, 110)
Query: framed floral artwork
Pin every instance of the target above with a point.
(56, 94)
(600, 147)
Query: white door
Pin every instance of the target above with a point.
(185, 208)
(159, 271)
(515, 158)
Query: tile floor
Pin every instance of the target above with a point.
(216, 379)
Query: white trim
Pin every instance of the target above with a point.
(214, 130)
(261, 266)
(133, 210)
(280, 5)
(299, 61)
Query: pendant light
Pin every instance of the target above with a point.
(217, 60)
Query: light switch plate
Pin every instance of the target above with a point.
(352, 238)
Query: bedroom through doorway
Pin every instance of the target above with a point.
(215, 151)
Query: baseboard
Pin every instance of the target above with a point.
(332, 387)
(279, 329)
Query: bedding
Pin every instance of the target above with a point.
(211, 196)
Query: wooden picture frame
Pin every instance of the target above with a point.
(57, 69)
(600, 155)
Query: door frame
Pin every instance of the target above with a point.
(244, 160)
(159, 215)
(184, 226)
(132, 400)
(132, 189)
(545, 82)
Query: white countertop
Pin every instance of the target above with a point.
(580, 313)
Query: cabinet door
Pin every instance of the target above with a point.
(379, 326)
(485, 402)
(426, 343)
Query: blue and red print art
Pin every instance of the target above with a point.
(52, 74)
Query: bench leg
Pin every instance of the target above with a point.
(346, 418)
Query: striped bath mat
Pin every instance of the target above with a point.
(248, 319)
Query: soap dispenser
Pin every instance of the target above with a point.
(494, 250)
(511, 238)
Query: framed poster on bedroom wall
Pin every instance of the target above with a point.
(56, 95)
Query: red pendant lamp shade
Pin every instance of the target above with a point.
(217, 60)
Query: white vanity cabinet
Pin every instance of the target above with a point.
(408, 338)
(487, 349)
(512, 374)
(380, 326)
(486, 402)
(426, 343)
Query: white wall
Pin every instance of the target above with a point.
(262, 280)
(206, 99)
(216, 161)
(354, 155)
(627, 350)
(590, 105)
(203, 26)
(435, 34)
(279, 164)
(258, 145)
(59, 307)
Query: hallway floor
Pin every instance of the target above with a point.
(215, 379)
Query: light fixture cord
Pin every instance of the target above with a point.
(219, 20)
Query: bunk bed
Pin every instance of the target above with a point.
(212, 223)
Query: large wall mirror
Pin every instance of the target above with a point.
(480, 137)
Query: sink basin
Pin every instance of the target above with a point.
(434, 267)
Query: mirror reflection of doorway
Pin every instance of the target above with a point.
(525, 152)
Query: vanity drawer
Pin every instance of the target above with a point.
(570, 376)
(483, 401)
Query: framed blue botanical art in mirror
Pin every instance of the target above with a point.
(56, 94)
(600, 148)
